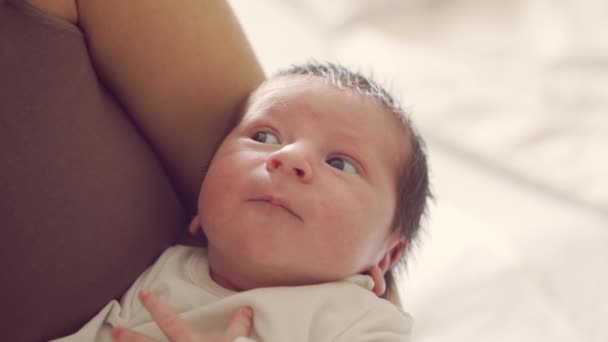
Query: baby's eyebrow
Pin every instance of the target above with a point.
(348, 135)
(257, 120)
(353, 145)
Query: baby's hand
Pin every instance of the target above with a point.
(195, 226)
(178, 330)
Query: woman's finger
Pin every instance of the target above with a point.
(240, 323)
(126, 335)
(167, 320)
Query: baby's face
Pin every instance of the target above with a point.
(303, 190)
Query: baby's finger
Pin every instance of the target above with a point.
(167, 320)
(195, 226)
(126, 335)
(240, 323)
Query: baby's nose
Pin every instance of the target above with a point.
(293, 165)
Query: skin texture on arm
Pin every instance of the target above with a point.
(64, 9)
(181, 69)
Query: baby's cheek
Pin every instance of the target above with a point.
(215, 189)
(337, 228)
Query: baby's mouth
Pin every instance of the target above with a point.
(277, 202)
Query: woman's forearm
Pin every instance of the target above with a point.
(179, 67)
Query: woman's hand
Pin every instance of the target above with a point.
(178, 330)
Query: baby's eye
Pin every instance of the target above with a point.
(265, 138)
(342, 164)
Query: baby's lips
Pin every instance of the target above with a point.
(280, 202)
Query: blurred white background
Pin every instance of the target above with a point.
(512, 98)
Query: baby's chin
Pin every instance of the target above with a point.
(248, 273)
(253, 259)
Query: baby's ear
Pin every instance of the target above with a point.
(389, 259)
(393, 255)
(195, 226)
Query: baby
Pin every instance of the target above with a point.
(308, 206)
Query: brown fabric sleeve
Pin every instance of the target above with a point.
(85, 206)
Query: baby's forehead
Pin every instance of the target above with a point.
(289, 92)
(279, 90)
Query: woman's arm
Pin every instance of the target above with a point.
(64, 9)
(181, 69)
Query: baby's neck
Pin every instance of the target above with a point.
(237, 275)
(230, 274)
(223, 282)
